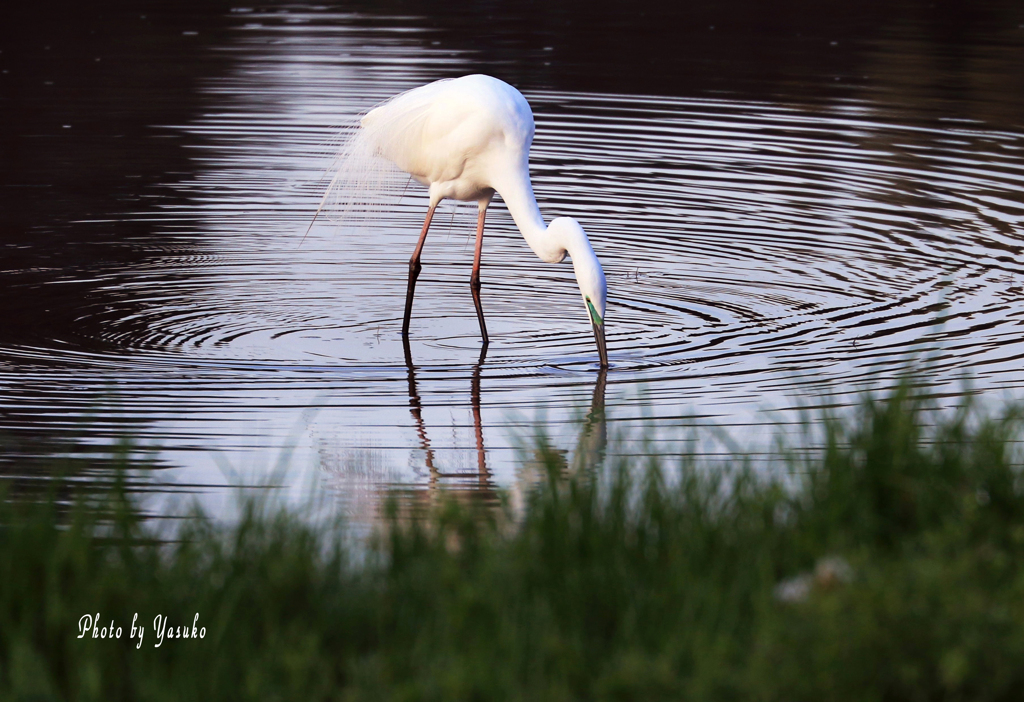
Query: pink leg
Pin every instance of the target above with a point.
(414, 272)
(474, 281)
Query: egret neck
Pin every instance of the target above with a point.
(552, 243)
(517, 192)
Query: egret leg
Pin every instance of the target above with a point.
(474, 281)
(414, 272)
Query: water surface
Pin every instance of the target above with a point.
(786, 227)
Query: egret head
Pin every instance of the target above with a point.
(589, 275)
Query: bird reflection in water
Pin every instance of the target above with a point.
(593, 439)
(590, 445)
(485, 487)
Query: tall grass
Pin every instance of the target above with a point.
(888, 565)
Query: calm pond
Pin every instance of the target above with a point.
(787, 204)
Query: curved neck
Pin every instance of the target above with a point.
(517, 192)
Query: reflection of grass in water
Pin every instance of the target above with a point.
(889, 566)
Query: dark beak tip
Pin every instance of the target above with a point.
(602, 347)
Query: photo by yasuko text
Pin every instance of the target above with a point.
(91, 626)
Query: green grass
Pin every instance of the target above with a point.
(658, 581)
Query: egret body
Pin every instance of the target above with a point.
(466, 139)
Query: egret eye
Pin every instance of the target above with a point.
(594, 316)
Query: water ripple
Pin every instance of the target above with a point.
(752, 250)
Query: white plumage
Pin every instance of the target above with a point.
(465, 139)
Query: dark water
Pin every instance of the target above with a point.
(786, 203)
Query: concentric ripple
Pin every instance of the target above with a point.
(755, 253)
(732, 234)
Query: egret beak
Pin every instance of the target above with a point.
(598, 323)
(602, 349)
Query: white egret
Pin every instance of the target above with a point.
(465, 139)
